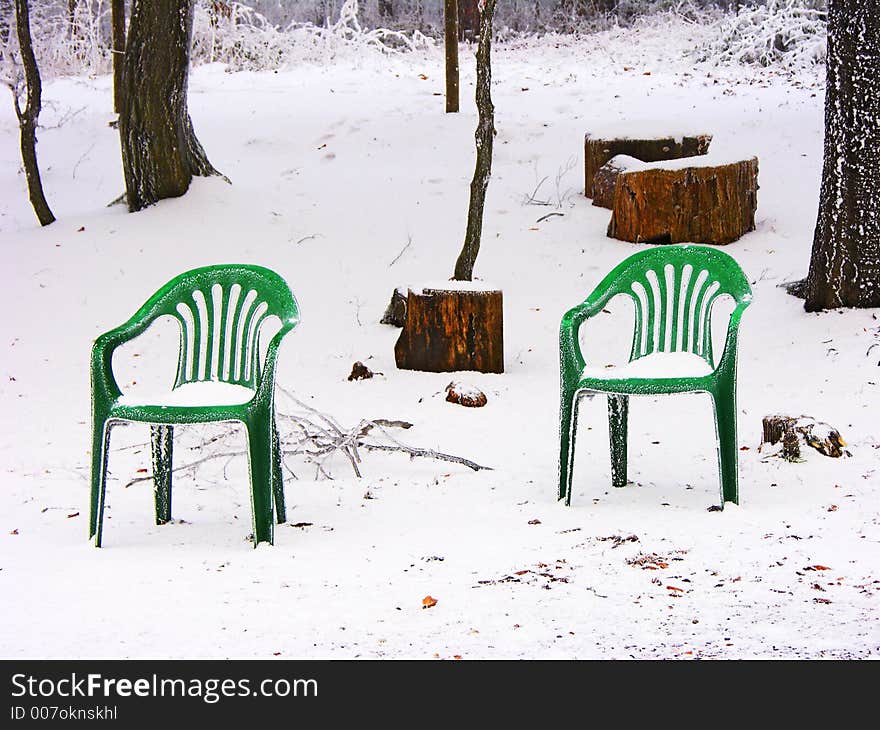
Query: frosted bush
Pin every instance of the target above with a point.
(782, 33)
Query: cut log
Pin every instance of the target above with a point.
(605, 179)
(685, 201)
(448, 330)
(395, 312)
(794, 430)
(598, 151)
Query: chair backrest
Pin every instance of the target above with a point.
(673, 289)
(221, 310)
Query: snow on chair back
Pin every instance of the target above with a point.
(673, 290)
(221, 310)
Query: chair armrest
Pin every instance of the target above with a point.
(570, 355)
(102, 354)
(728, 357)
(267, 378)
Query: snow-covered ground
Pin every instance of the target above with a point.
(336, 170)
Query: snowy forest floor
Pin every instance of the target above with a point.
(349, 180)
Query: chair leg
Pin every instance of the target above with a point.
(277, 476)
(259, 431)
(568, 407)
(618, 411)
(100, 452)
(162, 442)
(725, 422)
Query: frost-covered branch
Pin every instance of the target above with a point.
(312, 438)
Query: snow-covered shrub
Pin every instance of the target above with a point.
(789, 34)
(242, 38)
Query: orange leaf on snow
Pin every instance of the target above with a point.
(817, 567)
(429, 602)
(675, 588)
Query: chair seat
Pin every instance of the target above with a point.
(657, 365)
(205, 393)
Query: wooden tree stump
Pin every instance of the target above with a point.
(395, 312)
(794, 430)
(598, 151)
(685, 201)
(453, 329)
(605, 179)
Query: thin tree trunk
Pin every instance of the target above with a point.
(118, 23)
(27, 117)
(451, 27)
(845, 260)
(160, 151)
(484, 135)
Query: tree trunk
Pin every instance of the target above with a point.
(386, 9)
(698, 204)
(27, 117)
(160, 151)
(118, 23)
(469, 18)
(451, 40)
(448, 330)
(464, 266)
(845, 261)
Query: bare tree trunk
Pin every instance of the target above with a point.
(386, 9)
(451, 26)
(464, 266)
(845, 260)
(27, 117)
(160, 151)
(118, 23)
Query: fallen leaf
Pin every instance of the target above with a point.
(817, 567)
(821, 600)
(80, 229)
(534, 522)
(675, 588)
(14, 532)
(456, 656)
(423, 77)
(141, 471)
(302, 524)
(743, 448)
(429, 602)
(73, 514)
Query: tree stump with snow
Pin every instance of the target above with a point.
(794, 430)
(452, 329)
(598, 151)
(696, 200)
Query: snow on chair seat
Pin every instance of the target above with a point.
(204, 393)
(657, 365)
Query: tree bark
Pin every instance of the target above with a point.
(117, 9)
(451, 40)
(160, 151)
(845, 260)
(484, 135)
(452, 330)
(27, 117)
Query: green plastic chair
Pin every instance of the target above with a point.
(673, 289)
(220, 310)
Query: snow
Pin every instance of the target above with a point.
(333, 169)
(207, 393)
(655, 365)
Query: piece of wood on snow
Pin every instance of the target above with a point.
(605, 179)
(597, 151)
(793, 430)
(695, 200)
(451, 329)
